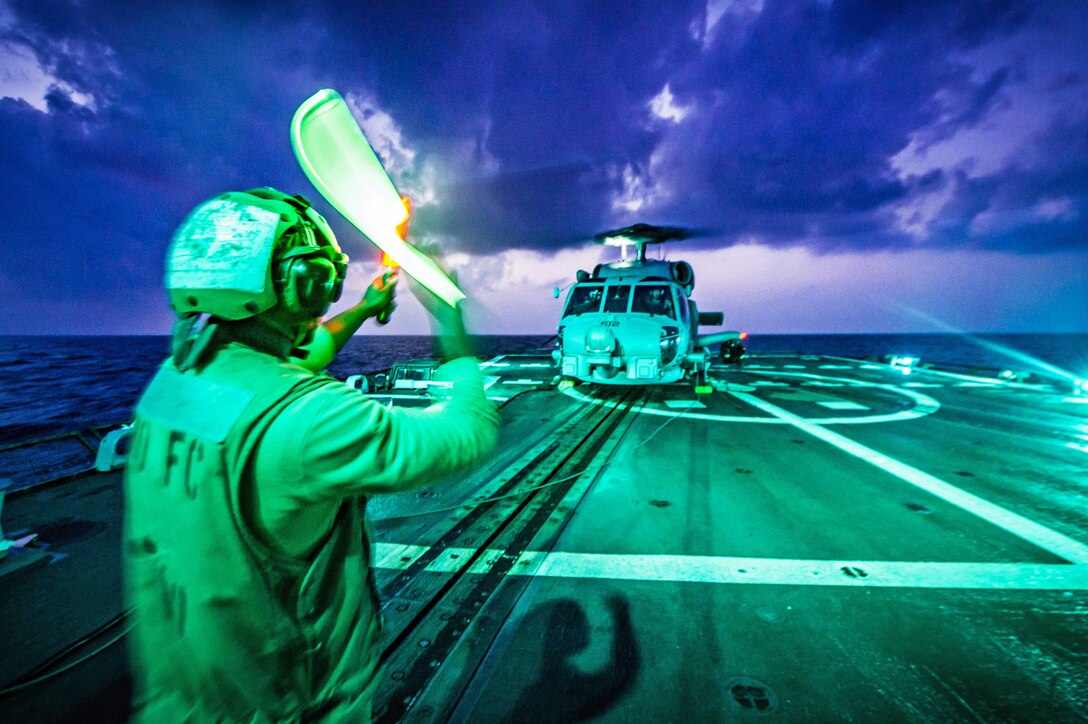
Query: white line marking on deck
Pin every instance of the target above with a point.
(836, 367)
(684, 405)
(843, 405)
(1076, 400)
(396, 556)
(729, 570)
(922, 385)
(524, 382)
(489, 380)
(1034, 533)
(977, 384)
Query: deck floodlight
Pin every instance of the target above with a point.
(343, 167)
(904, 363)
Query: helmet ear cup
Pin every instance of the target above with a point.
(310, 285)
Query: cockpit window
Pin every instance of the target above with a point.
(616, 298)
(654, 299)
(685, 313)
(584, 299)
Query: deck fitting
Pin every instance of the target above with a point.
(752, 696)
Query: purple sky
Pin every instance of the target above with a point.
(852, 166)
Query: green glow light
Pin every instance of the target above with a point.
(342, 166)
(1024, 358)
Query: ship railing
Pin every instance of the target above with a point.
(59, 457)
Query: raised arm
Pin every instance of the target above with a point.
(331, 336)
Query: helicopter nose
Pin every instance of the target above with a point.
(600, 339)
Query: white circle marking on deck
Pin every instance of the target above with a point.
(924, 405)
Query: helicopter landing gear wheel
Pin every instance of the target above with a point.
(702, 385)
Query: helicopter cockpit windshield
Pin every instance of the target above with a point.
(616, 298)
(584, 299)
(653, 299)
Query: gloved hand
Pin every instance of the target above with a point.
(379, 296)
(451, 338)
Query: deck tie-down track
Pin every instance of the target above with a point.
(445, 608)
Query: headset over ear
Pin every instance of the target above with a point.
(309, 284)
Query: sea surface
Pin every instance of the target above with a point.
(51, 385)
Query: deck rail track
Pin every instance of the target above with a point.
(446, 607)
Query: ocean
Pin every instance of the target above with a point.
(51, 385)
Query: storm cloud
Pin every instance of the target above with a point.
(836, 126)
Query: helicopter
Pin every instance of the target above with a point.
(633, 321)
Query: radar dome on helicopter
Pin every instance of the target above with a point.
(633, 321)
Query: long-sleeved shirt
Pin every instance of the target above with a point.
(335, 443)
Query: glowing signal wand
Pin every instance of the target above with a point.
(390, 266)
(343, 167)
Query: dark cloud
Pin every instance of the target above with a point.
(536, 117)
(803, 119)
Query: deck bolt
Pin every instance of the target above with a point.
(424, 643)
(445, 617)
(398, 675)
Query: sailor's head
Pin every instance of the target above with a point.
(254, 255)
(256, 252)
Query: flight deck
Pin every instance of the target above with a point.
(816, 539)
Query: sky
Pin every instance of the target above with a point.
(848, 166)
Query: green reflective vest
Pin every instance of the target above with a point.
(227, 628)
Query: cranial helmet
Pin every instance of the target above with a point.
(237, 255)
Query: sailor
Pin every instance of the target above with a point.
(248, 564)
